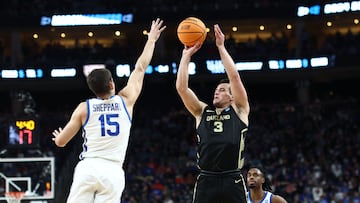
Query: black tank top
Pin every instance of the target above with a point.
(221, 140)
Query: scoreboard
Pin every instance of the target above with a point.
(23, 132)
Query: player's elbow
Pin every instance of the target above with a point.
(180, 90)
(180, 87)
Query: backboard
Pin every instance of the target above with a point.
(35, 176)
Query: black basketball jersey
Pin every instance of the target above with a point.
(221, 140)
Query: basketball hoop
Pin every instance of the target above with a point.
(14, 197)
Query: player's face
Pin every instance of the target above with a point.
(254, 178)
(222, 95)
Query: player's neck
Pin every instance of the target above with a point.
(257, 195)
(220, 109)
(105, 96)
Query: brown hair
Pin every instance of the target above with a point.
(98, 81)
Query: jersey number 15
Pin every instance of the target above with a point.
(108, 125)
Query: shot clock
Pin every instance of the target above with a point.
(23, 132)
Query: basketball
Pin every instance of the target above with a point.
(191, 30)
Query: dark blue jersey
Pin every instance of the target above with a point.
(221, 140)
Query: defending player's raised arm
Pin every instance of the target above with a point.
(237, 88)
(63, 136)
(134, 85)
(190, 100)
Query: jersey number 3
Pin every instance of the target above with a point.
(108, 125)
(218, 127)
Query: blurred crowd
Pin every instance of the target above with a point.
(343, 47)
(38, 7)
(310, 151)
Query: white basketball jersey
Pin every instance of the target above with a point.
(106, 130)
(266, 199)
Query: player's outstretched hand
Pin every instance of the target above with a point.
(156, 29)
(219, 35)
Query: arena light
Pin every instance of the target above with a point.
(303, 11)
(174, 67)
(276, 64)
(31, 73)
(293, 63)
(355, 6)
(162, 68)
(9, 74)
(192, 68)
(86, 19)
(22, 73)
(319, 62)
(63, 72)
(339, 7)
(123, 70)
(256, 65)
(312, 10)
(149, 69)
(157, 68)
(330, 8)
(215, 66)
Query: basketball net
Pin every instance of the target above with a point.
(14, 197)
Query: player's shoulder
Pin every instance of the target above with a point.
(208, 109)
(277, 199)
(116, 96)
(82, 105)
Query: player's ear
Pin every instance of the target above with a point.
(262, 180)
(231, 98)
(112, 85)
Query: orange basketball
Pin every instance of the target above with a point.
(191, 30)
